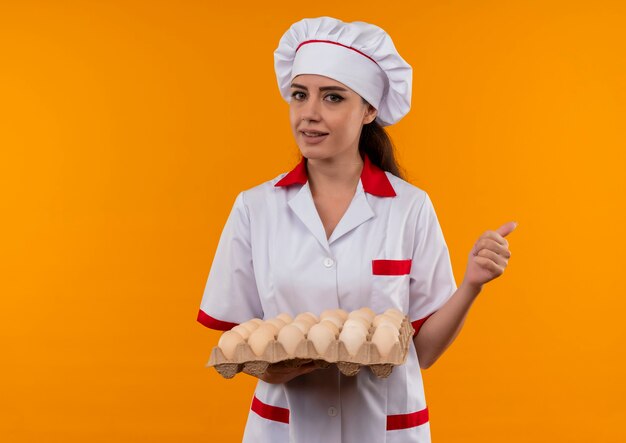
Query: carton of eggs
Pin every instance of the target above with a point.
(348, 339)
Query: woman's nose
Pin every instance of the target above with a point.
(311, 110)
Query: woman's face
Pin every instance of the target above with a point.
(326, 117)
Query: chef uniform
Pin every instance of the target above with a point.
(388, 251)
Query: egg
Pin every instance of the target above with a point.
(398, 322)
(384, 338)
(386, 319)
(355, 314)
(242, 330)
(321, 336)
(357, 321)
(395, 313)
(343, 315)
(306, 320)
(367, 312)
(285, 317)
(260, 339)
(339, 313)
(333, 319)
(276, 322)
(389, 326)
(355, 326)
(353, 338)
(228, 342)
(326, 313)
(331, 325)
(359, 315)
(269, 327)
(251, 325)
(303, 325)
(290, 337)
(382, 318)
(308, 316)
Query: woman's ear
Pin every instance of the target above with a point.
(370, 114)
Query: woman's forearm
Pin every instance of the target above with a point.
(487, 260)
(441, 328)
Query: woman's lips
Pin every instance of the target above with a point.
(313, 139)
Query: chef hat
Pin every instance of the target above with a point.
(358, 54)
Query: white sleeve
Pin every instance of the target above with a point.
(432, 280)
(230, 295)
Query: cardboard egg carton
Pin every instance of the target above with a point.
(244, 360)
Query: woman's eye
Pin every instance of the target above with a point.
(334, 98)
(299, 95)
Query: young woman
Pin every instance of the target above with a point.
(343, 230)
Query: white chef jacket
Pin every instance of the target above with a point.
(388, 251)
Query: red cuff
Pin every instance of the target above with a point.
(270, 412)
(417, 324)
(405, 421)
(214, 323)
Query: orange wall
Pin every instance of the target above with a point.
(128, 127)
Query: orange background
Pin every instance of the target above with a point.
(128, 127)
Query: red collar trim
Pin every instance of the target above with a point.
(297, 175)
(374, 179)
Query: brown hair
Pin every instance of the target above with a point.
(376, 143)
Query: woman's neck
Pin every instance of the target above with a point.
(334, 175)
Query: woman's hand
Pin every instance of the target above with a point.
(280, 373)
(489, 256)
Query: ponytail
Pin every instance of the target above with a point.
(375, 142)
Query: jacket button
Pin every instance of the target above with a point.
(332, 411)
(328, 262)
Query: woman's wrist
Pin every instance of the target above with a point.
(471, 289)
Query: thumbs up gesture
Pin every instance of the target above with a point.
(489, 256)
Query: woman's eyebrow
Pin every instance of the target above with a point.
(322, 88)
